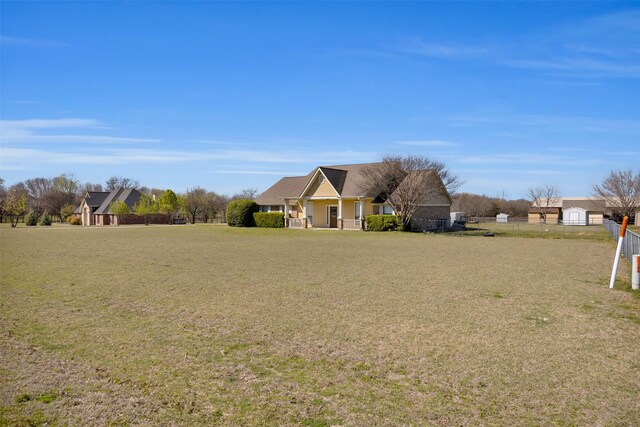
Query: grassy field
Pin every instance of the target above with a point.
(547, 231)
(187, 325)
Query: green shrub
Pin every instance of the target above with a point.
(269, 219)
(383, 223)
(31, 219)
(74, 220)
(45, 219)
(240, 213)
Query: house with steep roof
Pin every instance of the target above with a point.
(104, 216)
(90, 203)
(334, 197)
(95, 207)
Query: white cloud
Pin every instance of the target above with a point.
(43, 130)
(417, 46)
(31, 156)
(527, 158)
(258, 172)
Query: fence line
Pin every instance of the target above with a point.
(631, 244)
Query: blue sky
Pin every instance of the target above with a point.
(230, 95)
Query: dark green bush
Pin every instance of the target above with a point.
(383, 223)
(269, 219)
(31, 219)
(240, 213)
(45, 219)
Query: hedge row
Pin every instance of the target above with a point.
(269, 219)
(383, 223)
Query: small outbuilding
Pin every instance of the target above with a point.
(575, 216)
(502, 217)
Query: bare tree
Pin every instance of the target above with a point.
(543, 198)
(120, 182)
(473, 205)
(195, 203)
(407, 182)
(621, 192)
(214, 203)
(3, 197)
(37, 191)
(15, 204)
(515, 208)
(89, 186)
(62, 193)
(247, 193)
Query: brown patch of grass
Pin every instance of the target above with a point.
(211, 325)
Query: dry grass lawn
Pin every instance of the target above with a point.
(187, 325)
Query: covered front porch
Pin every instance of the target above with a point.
(327, 213)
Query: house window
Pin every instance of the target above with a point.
(357, 210)
(387, 210)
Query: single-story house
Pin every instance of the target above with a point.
(333, 197)
(95, 208)
(553, 211)
(573, 211)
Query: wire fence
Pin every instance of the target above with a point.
(631, 243)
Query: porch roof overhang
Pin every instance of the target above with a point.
(311, 198)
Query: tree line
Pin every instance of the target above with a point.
(61, 195)
(481, 206)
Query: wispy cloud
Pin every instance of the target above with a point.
(34, 156)
(527, 158)
(418, 46)
(553, 123)
(259, 172)
(428, 143)
(601, 46)
(44, 130)
(28, 42)
(573, 65)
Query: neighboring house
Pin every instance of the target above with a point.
(104, 216)
(584, 211)
(95, 208)
(553, 211)
(90, 203)
(573, 211)
(331, 197)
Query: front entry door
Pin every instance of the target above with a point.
(333, 216)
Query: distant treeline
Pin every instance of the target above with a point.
(475, 205)
(61, 195)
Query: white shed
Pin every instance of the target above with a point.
(575, 216)
(502, 217)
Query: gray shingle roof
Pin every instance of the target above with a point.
(346, 179)
(593, 205)
(95, 198)
(130, 196)
(351, 186)
(290, 186)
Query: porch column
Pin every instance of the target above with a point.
(286, 213)
(361, 199)
(340, 213)
(304, 215)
